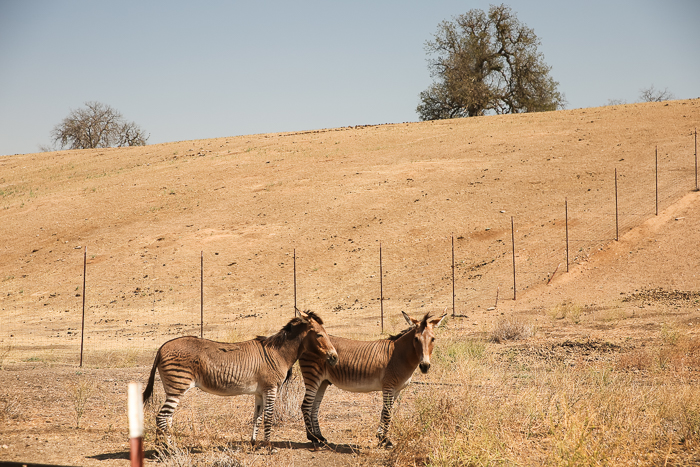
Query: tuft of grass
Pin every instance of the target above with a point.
(9, 409)
(459, 350)
(566, 310)
(79, 391)
(5, 350)
(511, 329)
(126, 358)
(174, 457)
(669, 335)
(181, 457)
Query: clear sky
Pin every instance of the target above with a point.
(188, 70)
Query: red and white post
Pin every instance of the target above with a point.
(135, 401)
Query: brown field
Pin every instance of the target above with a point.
(599, 365)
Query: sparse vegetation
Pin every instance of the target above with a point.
(5, 350)
(510, 329)
(79, 391)
(451, 351)
(567, 310)
(9, 409)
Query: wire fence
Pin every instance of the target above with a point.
(218, 297)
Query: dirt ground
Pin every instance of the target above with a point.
(248, 204)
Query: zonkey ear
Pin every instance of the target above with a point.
(409, 320)
(300, 313)
(436, 322)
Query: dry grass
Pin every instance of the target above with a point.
(9, 409)
(510, 329)
(676, 352)
(5, 350)
(568, 311)
(79, 391)
(505, 414)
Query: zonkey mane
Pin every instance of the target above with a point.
(421, 326)
(290, 331)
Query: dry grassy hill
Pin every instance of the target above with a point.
(248, 203)
(145, 215)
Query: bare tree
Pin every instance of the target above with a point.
(616, 102)
(487, 63)
(651, 94)
(96, 125)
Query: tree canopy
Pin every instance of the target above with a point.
(97, 125)
(487, 62)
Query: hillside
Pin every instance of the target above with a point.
(249, 203)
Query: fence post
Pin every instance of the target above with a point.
(453, 276)
(82, 326)
(201, 295)
(512, 240)
(566, 224)
(135, 413)
(656, 177)
(381, 287)
(696, 160)
(617, 224)
(295, 281)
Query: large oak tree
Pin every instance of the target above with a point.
(485, 63)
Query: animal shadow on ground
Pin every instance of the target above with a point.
(152, 454)
(339, 448)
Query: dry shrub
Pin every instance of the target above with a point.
(174, 457)
(510, 329)
(181, 457)
(227, 457)
(9, 409)
(79, 391)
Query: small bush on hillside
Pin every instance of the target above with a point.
(511, 329)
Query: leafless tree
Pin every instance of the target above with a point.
(616, 102)
(96, 125)
(651, 94)
(487, 63)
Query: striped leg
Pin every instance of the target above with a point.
(312, 401)
(257, 416)
(164, 419)
(269, 403)
(383, 431)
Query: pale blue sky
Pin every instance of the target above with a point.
(190, 70)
